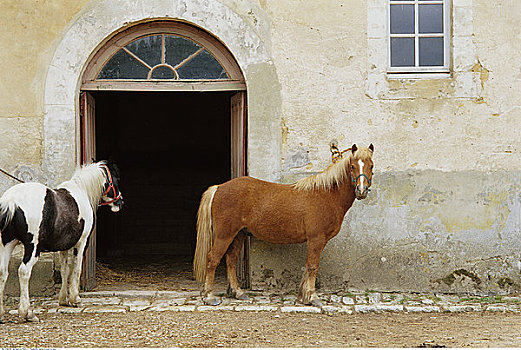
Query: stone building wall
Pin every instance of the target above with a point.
(444, 213)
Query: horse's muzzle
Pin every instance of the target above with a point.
(117, 205)
(361, 192)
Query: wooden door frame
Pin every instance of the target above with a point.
(238, 142)
(88, 154)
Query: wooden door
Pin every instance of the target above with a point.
(238, 168)
(88, 155)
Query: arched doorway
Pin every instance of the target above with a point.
(167, 101)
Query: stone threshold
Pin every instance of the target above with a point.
(334, 304)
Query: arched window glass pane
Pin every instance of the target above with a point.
(178, 49)
(148, 49)
(202, 66)
(163, 56)
(123, 66)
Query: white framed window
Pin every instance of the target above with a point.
(419, 37)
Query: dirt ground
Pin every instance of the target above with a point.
(264, 329)
(248, 329)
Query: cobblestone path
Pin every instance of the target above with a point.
(347, 303)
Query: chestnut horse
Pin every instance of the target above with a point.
(310, 210)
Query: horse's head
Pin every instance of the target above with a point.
(361, 169)
(111, 195)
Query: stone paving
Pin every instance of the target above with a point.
(347, 303)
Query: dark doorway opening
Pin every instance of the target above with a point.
(170, 147)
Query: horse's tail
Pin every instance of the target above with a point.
(7, 211)
(204, 233)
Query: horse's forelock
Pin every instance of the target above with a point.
(362, 153)
(113, 168)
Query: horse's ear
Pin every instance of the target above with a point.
(371, 147)
(354, 148)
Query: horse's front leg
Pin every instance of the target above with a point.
(74, 283)
(63, 298)
(24, 275)
(307, 293)
(5, 255)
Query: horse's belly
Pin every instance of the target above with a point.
(62, 238)
(277, 236)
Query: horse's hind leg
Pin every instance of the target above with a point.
(215, 255)
(232, 255)
(307, 292)
(63, 297)
(24, 275)
(5, 255)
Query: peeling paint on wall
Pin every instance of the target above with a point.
(446, 195)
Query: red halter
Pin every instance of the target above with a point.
(110, 186)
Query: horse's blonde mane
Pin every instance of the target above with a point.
(89, 178)
(334, 175)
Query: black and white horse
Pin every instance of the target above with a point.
(54, 220)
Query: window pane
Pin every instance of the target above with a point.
(202, 66)
(402, 52)
(123, 66)
(402, 19)
(163, 72)
(148, 49)
(431, 51)
(178, 48)
(430, 18)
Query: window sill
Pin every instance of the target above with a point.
(418, 76)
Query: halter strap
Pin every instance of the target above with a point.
(359, 176)
(109, 187)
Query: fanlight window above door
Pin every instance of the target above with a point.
(163, 57)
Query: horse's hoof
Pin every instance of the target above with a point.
(212, 301)
(316, 302)
(76, 302)
(64, 303)
(242, 296)
(32, 318)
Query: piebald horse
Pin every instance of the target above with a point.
(52, 220)
(310, 210)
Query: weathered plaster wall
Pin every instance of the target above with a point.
(444, 212)
(29, 29)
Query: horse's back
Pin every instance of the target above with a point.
(246, 189)
(28, 196)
